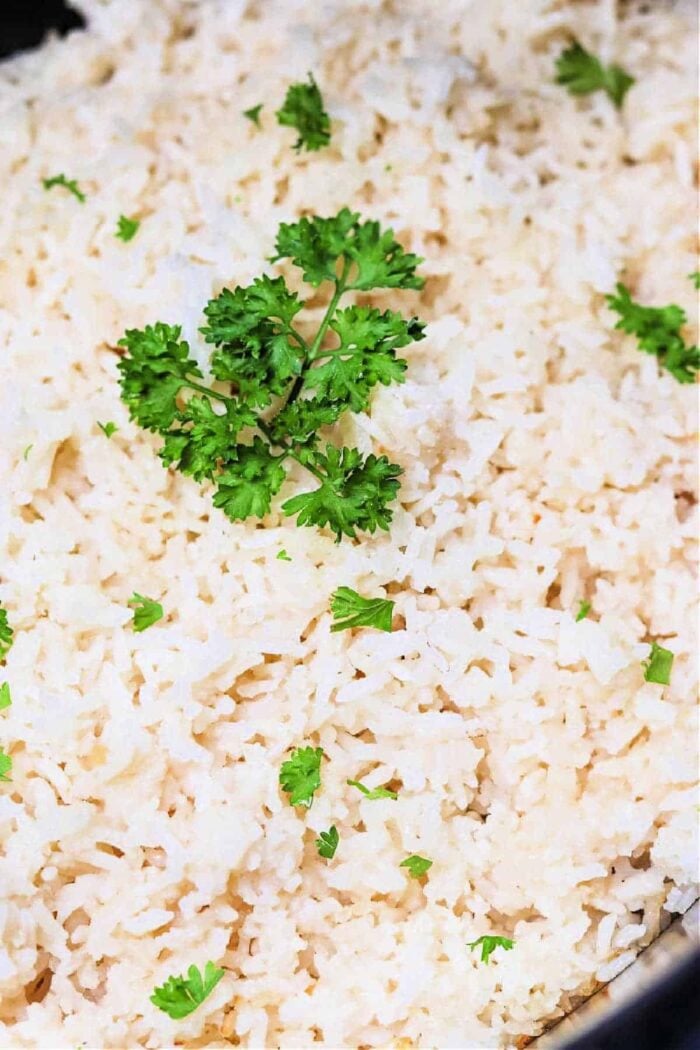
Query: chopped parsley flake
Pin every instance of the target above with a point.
(657, 667)
(489, 944)
(374, 793)
(180, 996)
(5, 765)
(253, 114)
(108, 428)
(350, 609)
(126, 228)
(695, 278)
(581, 73)
(417, 866)
(5, 696)
(283, 556)
(658, 331)
(303, 110)
(327, 842)
(70, 184)
(583, 610)
(300, 775)
(146, 611)
(25, 454)
(6, 634)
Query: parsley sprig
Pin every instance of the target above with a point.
(282, 387)
(658, 331)
(300, 775)
(303, 110)
(180, 996)
(350, 609)
(327, 842)
(582, 73)
(489, 944)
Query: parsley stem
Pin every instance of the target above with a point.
(192, 385)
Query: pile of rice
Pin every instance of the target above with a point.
(547, 461)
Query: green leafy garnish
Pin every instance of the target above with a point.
(108, 428)
(5, 696)
(583, 610)
(657, 667)
(25, 454)
(300, 775)
(180, 996)
(5, 765)
(283, 388)
(70, 184)
(581, 73)
(253, 114)
(127, 228)
(327, 842)
(6, 634)
(146, 611)
(658, 331)
(695, 278)
(350, 609)
(417, 866)
(489, 944)
(303, 110)
(283, 556)
(374, 793)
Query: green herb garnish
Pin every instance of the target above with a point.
(5, 696)
(581, 73)
(374, 793)
(657, 667)
(303, 110)
(658, 331)
(5, 765)
(6, 634)
(266, 361)
(327, 842)
(126, 228)
(25, 454)
(489, 944)
(417, 866)
(146, 611)
(583, 610)
(253, 114)
(70, 184)
(695, 278)
(350, 609)
(283, 556)
(300, 775)
(108, 428)
(180, 996)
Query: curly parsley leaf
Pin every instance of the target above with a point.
(303, 110)
(581, 73)
(350, 609)
(6, 634)
(180, 996)
(374, 793)
(283, 387)
(253, 114)
(126, 228)
(5, 696)
(108, 428)
(300, 775)
(5, 765)
(583, 610)
(417, 866)
(657, 667)
(327, 842)
(69, 184)
(146, 611)
(489, 944)
(658, 331)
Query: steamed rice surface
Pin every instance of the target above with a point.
(546, 461)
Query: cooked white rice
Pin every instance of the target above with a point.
(547, 461)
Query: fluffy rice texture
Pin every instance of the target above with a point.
(547, 461)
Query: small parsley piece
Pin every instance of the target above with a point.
(581, 73)
(146, 611)
(5, 765)
(695, 278)
(180, 996)
(126, 228)
(327, 842)
(278, 391)
(108, 428)
(417, 866)
(5, 696)
(350, 609)
(283, 556)
(253, 114)
(583, 610)
(6, 634)
(489, 944)
(70, 184)
(25, 454)
(657, 667)
(374, 793)
(303, 110)
(658, 331)
(300, 775)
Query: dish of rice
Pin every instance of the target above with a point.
(410, 762)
